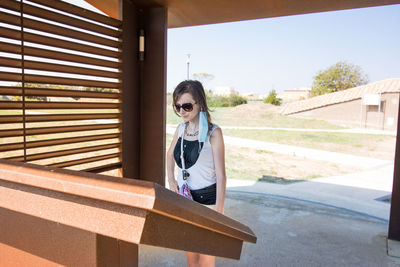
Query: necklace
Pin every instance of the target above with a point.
(193, 134)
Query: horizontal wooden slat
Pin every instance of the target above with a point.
(10, 62)
(72, 117)
(44, 53)
(9, 90)
(57, 92)
(10, 104)
(50, 41)
(11, 147)
(71, 140)
(11, 133)
(76, 128)
(85, 94)
(10, 19)
(10, 48)
(85, 160)
(58, 141)
(35, 65)
(49, 28)
(10, 4)
(108, 167)
(10, 76)
(60, 129)
(57, 105)
(11, 118)
(52, 117)
(4, 90)
(72, 151)
(19, 158)
(70, 105)
(31, 78)
(75, 93)
(10, 33)
(72, 9)
(64, 19)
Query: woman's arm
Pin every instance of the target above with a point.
(173, 185)
(218, 149)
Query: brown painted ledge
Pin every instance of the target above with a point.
(131, 210)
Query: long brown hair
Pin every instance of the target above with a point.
(196, 89)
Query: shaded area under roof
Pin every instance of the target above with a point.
(194, 12)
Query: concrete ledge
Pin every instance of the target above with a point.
(393, 248)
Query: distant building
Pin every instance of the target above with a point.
(353, 107)
(295, 94)
(224, 91)
(253, 96)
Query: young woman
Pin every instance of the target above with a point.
(202, 167)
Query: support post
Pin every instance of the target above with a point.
(153, 96)
(144, 93)
(130, 92)
(394, 222)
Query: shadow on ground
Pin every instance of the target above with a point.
(278, 180)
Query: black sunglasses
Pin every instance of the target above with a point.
(186, 107)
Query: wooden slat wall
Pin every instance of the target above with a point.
(60, 87)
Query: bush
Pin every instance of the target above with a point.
(272, 99)
(225, 101)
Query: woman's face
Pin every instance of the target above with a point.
(188, 115)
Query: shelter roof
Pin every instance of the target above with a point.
(385, 86)
(195, 12)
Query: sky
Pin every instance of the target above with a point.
(287, 52)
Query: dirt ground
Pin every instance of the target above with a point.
(247, 163)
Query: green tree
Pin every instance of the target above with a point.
(272, 99)
(338, 77)
(232, 100)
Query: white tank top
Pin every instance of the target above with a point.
(202, 173)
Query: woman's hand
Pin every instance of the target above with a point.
(220, 209)
(173, 185)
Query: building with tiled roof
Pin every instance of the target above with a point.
(295, 94)
(348, 108)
